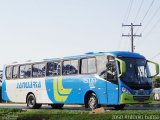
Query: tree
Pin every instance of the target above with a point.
(156, 82)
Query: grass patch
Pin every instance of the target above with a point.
(79, 115)
(156, 102)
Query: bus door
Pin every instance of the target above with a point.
(112, 81)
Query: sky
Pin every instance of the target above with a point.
(39, 29)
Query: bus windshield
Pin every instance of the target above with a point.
(136, 74)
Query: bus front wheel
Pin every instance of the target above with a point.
(31, 102)
(92, 102)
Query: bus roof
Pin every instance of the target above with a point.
(114, 53)
(89, 54)
(127, 54)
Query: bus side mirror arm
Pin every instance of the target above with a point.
(157, 68)
(122, 67)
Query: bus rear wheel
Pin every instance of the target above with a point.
(31, 102)
(57, 106)
(119, 107)
(92, 102)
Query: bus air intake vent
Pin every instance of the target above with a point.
(139, 98)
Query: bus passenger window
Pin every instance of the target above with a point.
(101, 66)
(70, 67)
(84, 66)
(38, 70)
(91, 65)
(8, 72)
(88, 65)
(15, 72)
(53, 68)
(25, 71)
(74, 67)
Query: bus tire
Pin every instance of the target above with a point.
(57, 106)
(92, 101)
(31, 102)
(119, 107)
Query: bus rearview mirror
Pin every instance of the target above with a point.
(122, 67)
(156, 68)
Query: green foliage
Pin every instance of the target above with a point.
(156, 82)
(7, 110)
(78, 114)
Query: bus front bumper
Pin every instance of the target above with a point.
(135, 99)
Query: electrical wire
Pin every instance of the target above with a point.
(151, 19)
(125, 19)
(155, 56)
(147, 11)
(138, 11)
(153, 27)
(128, 11)
(151, 4)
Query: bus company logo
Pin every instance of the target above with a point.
(90, 81)
(34, 84)
(58, 88)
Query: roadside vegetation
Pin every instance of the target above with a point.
(16, 114)
(156, 81)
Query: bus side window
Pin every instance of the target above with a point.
(53, 68)
(25, 71)
(92, 65)
(74, 67)
(88, 65)
(101, 66)
(38, 70)
(8, 72)
(84, 66)
(15, 74)
(70, 67)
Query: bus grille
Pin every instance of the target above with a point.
(141, 98)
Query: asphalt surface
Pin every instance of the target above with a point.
(78, 107)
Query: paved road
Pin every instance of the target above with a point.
(24, 106)
(74, 107)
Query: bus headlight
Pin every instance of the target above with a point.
(125, 90)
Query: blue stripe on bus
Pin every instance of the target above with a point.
(4, 93)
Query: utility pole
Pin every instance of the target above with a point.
(131, 35)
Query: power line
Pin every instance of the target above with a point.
(154, 26)
(146, 14)
(138, 10)
(149, 22)
(125, 19)
(155, 56)
(128, 11)
(151, 19)
(147, 11)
